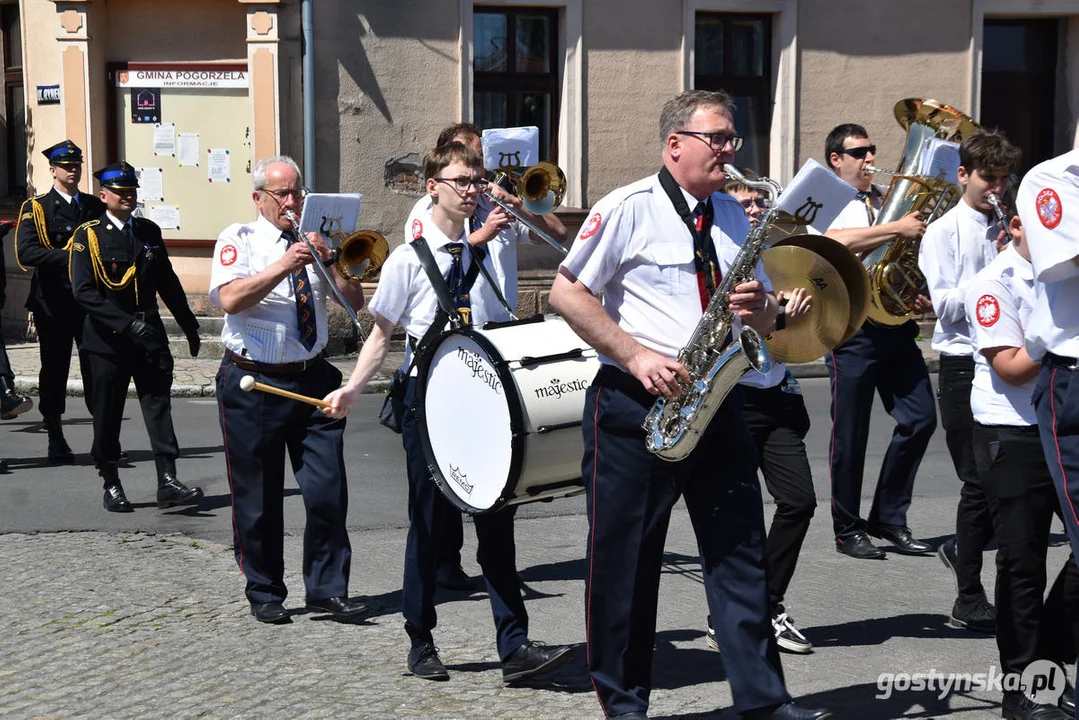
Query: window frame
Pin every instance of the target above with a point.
(17, 182)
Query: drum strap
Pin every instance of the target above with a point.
(446, 302)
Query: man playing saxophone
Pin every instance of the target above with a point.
(656, 262)
(876, 357)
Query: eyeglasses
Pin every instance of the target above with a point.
(716, 140)
(759, 202)
(282, 195)
(464, 183)
(860, 152)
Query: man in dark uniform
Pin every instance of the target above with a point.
(118, 267)
(46, 223)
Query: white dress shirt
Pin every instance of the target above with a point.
(954, 249)
(502, 248)
(635, 249)
(856, 214)
(999, 303)
(405, 294)
(269, 332)
(1048, 203)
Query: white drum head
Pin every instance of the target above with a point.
(470, 415)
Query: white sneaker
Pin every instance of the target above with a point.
(788, 637)
(710, 636)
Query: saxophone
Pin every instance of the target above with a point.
(715, 359)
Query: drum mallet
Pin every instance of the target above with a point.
(247, 384)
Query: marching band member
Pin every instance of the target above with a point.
(275, 329)
(454, 178)
(1013, 473)
(491, 227)
(119, 265)
(955, 248)
(778, 421)
(885, 359)
(1047, 202)
(637, 250)
(46, 223)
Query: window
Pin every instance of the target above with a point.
(14, 182)
(515, 73)
(732, 52)
(1019, 78)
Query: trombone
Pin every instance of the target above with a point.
(348, 257)
(541, 188)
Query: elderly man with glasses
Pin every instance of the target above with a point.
(275, 330)
(876, 358)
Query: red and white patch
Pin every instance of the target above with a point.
(591, 226)
(229, 255)
(417, 229)
(1049, 208)
(988, 310)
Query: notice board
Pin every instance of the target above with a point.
(186, 129)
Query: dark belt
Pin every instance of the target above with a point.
(267, 368)
(147, 314)
(1060, 361)
(617, 379)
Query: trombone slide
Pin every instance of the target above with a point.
(527, 223)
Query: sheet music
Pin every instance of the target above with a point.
(940, 156)
(330, 213)
(264, 341)
(816, 189)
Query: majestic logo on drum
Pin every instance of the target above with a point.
(461, 479)
(480, 369)
(557, 388)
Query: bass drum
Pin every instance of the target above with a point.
(499, 412)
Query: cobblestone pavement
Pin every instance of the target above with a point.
(105, 625)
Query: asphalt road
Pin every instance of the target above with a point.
(38, 497)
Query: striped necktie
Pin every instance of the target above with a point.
(867, 198)
(305, 301)
(455, 281)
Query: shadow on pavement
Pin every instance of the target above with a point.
(879, 630)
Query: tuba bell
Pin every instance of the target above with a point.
(894, 276)
(359, 257)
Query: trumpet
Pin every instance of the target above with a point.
(541, 188)
(1001, 217)
(344, 258)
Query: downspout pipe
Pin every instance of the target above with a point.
(308, 28)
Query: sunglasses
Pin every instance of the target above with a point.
(860, 152)
(759, 202)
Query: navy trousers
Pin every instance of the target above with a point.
(258, 428)
(630, 493)
(888, 361)
(428, 512)
(55, 334)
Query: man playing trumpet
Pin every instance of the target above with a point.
(275, 329)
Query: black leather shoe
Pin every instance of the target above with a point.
(978, 616)
(858, 546)
(172, 492)
(453, 577)
(792, 711)
(3, 467)
(630, 716)
(1067, 699)
(340, 607)
(1017, 706)
(12, 405)
(116, 501)
(902, 538)
(424, 662)
(271, 613)
(124, 458)
(534, 658)
(59, 451)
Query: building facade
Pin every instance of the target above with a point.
(194, 91)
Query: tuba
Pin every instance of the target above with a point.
(894, 276)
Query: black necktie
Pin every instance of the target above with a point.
(704, 256)
(305, 302)
(455, 281)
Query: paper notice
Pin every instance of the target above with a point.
(217, 165)
(187, 149)
(166, 216)
(150, 184)
(165, 139)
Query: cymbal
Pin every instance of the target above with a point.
(815, 334)
(848, 265)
